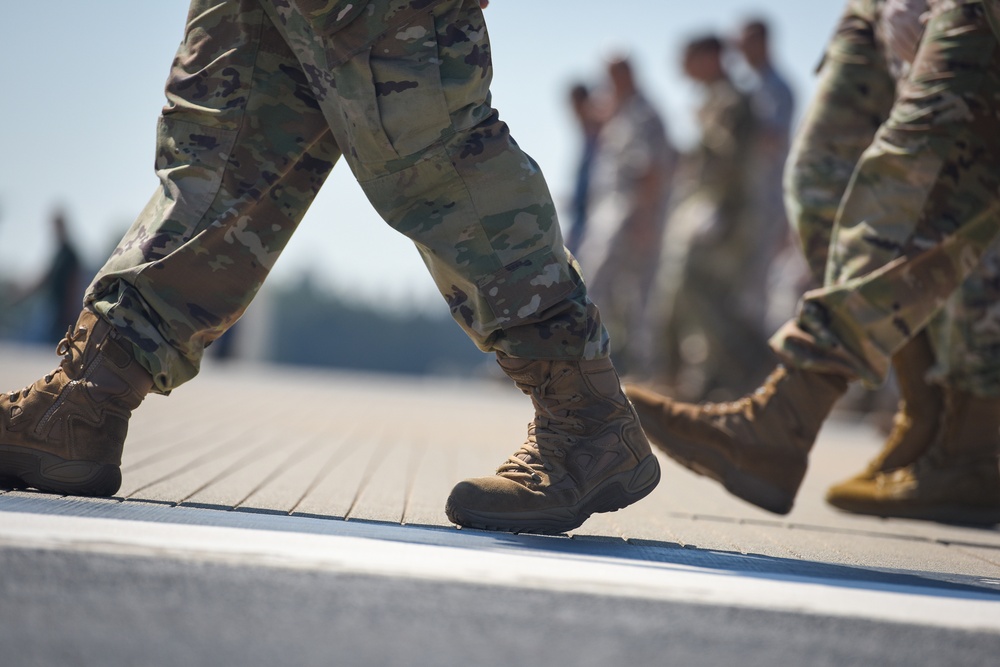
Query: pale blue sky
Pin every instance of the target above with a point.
(82, 86)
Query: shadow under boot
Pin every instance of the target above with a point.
(64, 433)
(585, 453)
(914, 425)
(957, 478)
(758, 446)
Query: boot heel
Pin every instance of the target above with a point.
(759, 493)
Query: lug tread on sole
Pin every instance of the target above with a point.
(21, 467)
(610, 497)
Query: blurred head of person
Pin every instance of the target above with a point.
(60, 228)
(622, 77)
(752, 42)
(585, 108)
(580, 101)
(702, 59)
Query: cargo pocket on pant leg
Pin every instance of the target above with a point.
(406, 69)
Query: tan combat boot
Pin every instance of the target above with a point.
(914, 425)
(757, 446)
(585, 453)
(64, 434)
(957, 480)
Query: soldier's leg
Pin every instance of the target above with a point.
(453, 180)
(435, 160)
(855, 92)
(966, 338)
(921, 209)
(242, 149)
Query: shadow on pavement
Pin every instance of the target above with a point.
(636, 553)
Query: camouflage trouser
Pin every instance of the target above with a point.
(920, 209)
(854, 95)
(263, 98)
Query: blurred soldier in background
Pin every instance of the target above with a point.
(589, 119)
(62, 284)
(775, 269)
(626, 207)
(708, 337)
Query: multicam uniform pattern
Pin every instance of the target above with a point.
(710, 243)
(921, 202)
(264, 97)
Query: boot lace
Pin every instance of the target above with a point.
(63, 349)
(554, 426)
(747, 402)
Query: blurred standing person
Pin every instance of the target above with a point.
(62, 284)
(629, 188)
(588, 118)
(775, 268)
(709, 341)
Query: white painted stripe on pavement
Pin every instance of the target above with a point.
(517, 568)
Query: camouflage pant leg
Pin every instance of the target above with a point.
(246, 142)
(439, 166)
(242, 149)
(965, 335)
(993, 16)
(854, 94)
(921, 210)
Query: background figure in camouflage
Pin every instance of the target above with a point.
(871, 53)
(919, 212)
(710, 344)
(774, 270)
(626, 206)
(264, 97)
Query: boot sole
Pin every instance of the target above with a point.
(705, 461)
(950, 514)
(21, 467)
(611, 495)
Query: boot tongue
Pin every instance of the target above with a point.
(526, 373)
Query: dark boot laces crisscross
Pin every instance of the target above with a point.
(64, 349)
(556, 424)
